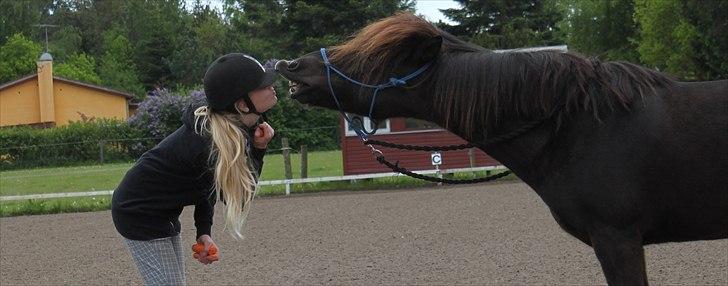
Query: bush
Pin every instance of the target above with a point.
(73, 144)
(160, 113)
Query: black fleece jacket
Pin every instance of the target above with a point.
(176, 173)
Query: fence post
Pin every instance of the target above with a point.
(471, 157)
(304, 161)
(286, 163)
(101, 151)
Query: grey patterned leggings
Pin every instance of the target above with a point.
(160, 261)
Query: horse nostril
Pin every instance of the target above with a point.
(293, 65)
(280, 63)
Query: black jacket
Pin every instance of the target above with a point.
(174, 174)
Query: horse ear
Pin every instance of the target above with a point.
(427, 50)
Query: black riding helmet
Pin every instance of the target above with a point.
(233, 76)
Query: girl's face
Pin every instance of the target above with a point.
(263, 98)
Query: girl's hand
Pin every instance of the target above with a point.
(263, 134)
(205, 250)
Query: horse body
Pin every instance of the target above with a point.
(660, 168)
(624, 156)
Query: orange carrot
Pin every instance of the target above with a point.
(198, 247)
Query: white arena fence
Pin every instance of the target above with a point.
(287, 182)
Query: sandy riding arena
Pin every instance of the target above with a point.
(484, 234)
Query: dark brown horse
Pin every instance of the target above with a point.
(625, 156)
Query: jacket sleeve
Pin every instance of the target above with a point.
(256, 161)
(204, 211)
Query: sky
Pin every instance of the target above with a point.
(428, 8)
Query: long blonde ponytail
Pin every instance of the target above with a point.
(234, 180)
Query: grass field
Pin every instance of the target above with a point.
(108, 176)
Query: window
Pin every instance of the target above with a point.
(416, 124)
(384, 126)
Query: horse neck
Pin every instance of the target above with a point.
(529, 155)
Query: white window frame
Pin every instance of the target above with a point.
(367, 122)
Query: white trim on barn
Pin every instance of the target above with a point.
(368, 123)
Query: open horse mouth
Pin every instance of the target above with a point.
(297, 85)
(297, 88)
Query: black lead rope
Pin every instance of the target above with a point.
(395, 166)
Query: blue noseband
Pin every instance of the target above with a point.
(393, 82)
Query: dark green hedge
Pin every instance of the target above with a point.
(101, 140)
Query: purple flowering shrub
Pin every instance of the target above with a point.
(160, 113)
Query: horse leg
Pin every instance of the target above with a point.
(621, 255)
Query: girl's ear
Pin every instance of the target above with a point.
(241, 106)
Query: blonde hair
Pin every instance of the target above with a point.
(234, 180)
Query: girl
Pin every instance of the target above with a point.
(216, 154)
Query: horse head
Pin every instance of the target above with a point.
(380, 55)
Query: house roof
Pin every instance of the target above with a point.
(78, 83)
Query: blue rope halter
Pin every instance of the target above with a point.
(393, 82)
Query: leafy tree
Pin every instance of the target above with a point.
(710, 18)
(605, 29)
(65, 42)
(256, 27)
(315, 24)
(20, 16)
(79, 67)
(17, 57)
(154, 28)
(117, 69)
(204, 39)
(501, 24)
(666, 37)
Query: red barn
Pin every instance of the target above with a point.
(358, 158)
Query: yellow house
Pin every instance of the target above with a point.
(46, 101)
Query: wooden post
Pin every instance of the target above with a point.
(471, 157)
(286, 163)
(101, 151)
(304, 161)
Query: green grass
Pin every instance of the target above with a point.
(320, 164)
(108, 176)
(62, 180)
(85, 204)
(53, 206)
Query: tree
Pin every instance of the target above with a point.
(666, 37)
(116, 68)
(710, 18)
(17, 57)
(154, 28)
(79, 67)
(204, 39)
(18, 17)
(315, 24)
(65, 42)
(289, 28)
(502, 24)
(604, 29)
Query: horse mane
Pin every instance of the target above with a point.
(386, 43)
(475, 89)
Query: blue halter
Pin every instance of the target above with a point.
(393, 82)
